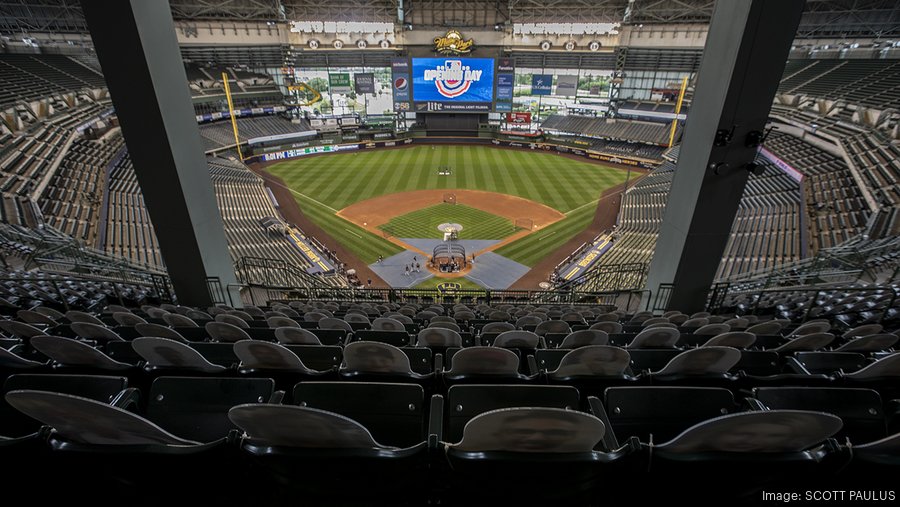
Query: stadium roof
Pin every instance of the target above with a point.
(823, 18)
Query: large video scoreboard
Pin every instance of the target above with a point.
(453, 85)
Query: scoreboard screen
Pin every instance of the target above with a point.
(455, 85)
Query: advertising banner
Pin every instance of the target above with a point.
(566, 85)
(541, 83)
(340, 83)
(518, 118)
(400, 83)
(364, 82)
(505, 84)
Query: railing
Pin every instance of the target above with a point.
(252, 293)
(842, 264)
(814, 292)
(608, 278)
(275, 273)
(51, 248)
(56, 281)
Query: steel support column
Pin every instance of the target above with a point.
(136, 45)
(745, 55)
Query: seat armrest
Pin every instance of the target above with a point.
(755, 405)
(277, 398)
(438, 363)
(532, 365)
(598, 410)
(795, 366)
(127, 398)
(436, 421)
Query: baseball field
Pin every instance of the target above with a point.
(531, 201)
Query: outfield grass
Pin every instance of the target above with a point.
(325, 184)
(534, 247)
(424, 223)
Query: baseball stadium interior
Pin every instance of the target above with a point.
(407, 252)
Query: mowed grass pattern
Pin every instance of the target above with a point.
(325, 184)
(534, 247)
(424, 223)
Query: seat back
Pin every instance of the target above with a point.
(178, 320)
(663, 412)
(484, 361)
(394, 413)
(297, 336)
(467, 401)
(197, 407)
(88, 421)
(593, 360)
(861, 410)
(375, 357)
(829, 363)
(768, 432)
(584, 337)
(532, 429)
(96, 387)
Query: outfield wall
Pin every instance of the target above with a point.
(296, 150)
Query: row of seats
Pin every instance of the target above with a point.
(872, 83)
(617, 129)
(31, 77)
(852, 307)
(489, 442)
(766, 232)
(219, 134)
(129, 232)
(70, 201)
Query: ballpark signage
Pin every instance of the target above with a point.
(505, 85)
(340, 83)
(541, 84)
(518, 118)
(453, 79)
(364, 82)
(453, 84)
(453, 44)
(449, 287)
(566, 85)
(400, 83)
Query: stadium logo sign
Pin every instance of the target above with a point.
(453, 78)
(449, 287)
(453, 44)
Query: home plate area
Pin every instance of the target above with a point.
(490, 270)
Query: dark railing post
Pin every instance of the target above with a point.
(60, 294)
(118, 294)
(890, 304)
(812, 302)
